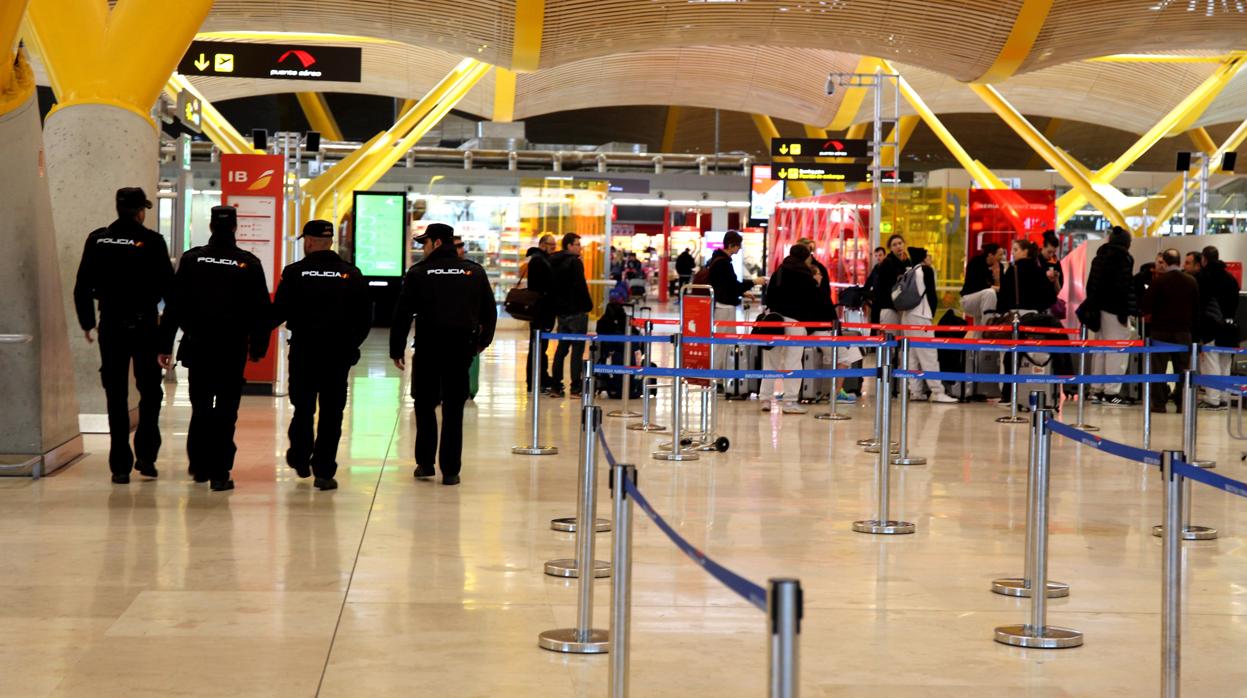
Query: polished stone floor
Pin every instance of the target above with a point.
(389, 586)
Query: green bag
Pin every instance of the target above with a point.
(474, 376)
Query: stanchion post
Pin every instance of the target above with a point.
(1083, 334)
(1189, 424)
(880, 351)
(1147, 395)
(902, 455)
(625, 409)
(881, 524)
(1171, 580)
(677, 452)
(872, 445)
(833, 410)
(565, 567)
(1021, 586)
(1013, 417)
(647, 401)
(584, 638)
(621, 582)
(785, 606)
(1037, 633)
(535, 448)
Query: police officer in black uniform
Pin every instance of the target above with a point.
(453, 305)
(324, 302)
(220, 301)
(126, 268)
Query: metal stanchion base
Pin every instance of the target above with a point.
(1085, 427)
(837, 417)
(571, 641)
(874, 448)
(1013, 420)
(678, 456)
(868, 442)
(1203, 463)
(624, 413)
(568, 525)
(568, 568)
(910, 460)
(1016, 586)
(1189, 533)
(646, 427)
(890, 528)
(1049, 638)
(535, 450)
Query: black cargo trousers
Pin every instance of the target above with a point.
(215, 378)
(440, 366)
(318, 375)
(125, 342)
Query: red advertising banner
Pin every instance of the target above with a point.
(254, 185)
(696, 320)
(1004, 215)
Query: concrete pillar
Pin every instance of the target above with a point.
(39, 431)
(91, 151)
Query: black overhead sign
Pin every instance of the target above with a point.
(230, 59)
(819, 147)
(835, 173)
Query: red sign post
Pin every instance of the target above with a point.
(254, 184)
(696, 320)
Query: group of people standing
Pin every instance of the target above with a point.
(219, 300)
(565, 304)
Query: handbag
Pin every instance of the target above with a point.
(523, 304)
(763, 332)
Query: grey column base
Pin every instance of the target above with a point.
(1016, 586)
(568, 525)
(535, 450)
(888, 528)
(570, 641)
(1050, 637)
(1189, 533)
(567, 568)
(37, 466)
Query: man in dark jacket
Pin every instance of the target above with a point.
(728, 290)
(1218, 291)
(220, 301)
(793, 293)
(572, 304)
(978, 293)
(684, 266)
(126, 268)
(324, 302)
(1111, 301)
(1171, 307)
(541, 279)
(872, 279)
(453, 306)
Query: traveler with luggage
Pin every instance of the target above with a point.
(825, 311)
(1110, 304)
(872, 278)
(1171, 306)
(719, 273)
(889, 271)
(1216, 323)
(978, 292)
(922, 277)
(569, 291)
(793, 294)
(540, 279)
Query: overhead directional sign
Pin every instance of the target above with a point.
(190, 111)
(835, 173)
(231, 59)
(820, 147)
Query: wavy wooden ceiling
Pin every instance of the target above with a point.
(769, 56)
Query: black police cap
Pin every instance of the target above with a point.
(132, 198)
(227, 215)
(437, 231)
(317, 229)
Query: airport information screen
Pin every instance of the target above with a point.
(380, 224)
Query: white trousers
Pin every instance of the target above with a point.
(782, 359)
(921, 358)
(1211, 364)
(723, 352)
(979, 303)
(1110, 364)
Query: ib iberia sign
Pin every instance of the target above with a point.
(233, 59)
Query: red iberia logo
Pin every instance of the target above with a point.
(304, 57)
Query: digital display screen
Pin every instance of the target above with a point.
(764, 194)
(380, 232)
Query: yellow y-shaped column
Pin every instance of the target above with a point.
(107, 68)
(41, 414)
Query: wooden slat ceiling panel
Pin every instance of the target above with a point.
(479, 28)
(1078, 29)
(960, 37)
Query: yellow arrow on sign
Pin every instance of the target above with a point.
(202, 62)
(783, 149)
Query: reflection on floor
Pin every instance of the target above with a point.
(390, 586)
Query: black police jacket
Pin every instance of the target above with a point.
(126, 268)
(324, 302)
(220, 300)
(449, 297)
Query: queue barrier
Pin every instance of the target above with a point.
(783, 601)
(1058, 346)
(1038, 378)
(879, 326)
